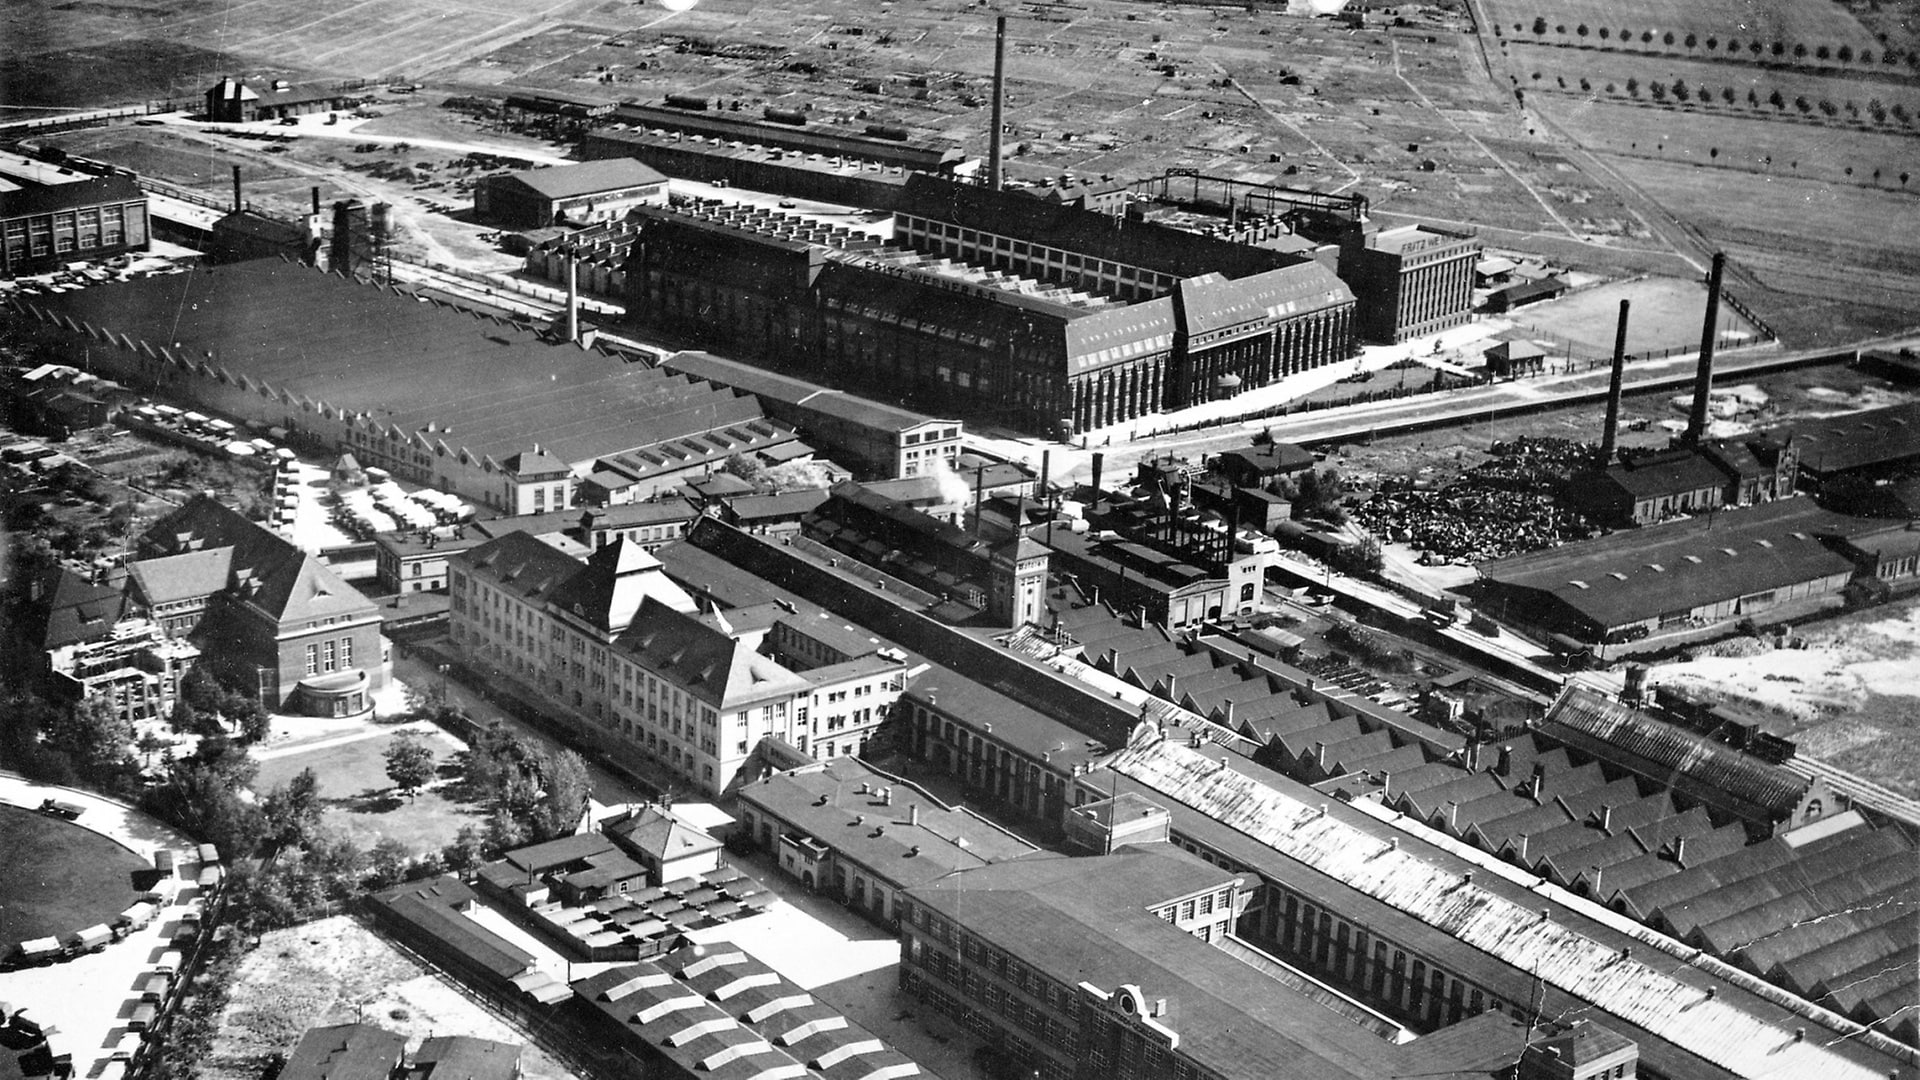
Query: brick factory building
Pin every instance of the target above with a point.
(1411, 280)
(50, 216)
(1048, 339)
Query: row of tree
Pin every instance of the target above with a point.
(1681, 92)
(1732, 47)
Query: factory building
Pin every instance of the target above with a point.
(1644, 488)
(880, 144)
(1772, 561)
(1046, 355)
(754, 165)
(1872, 445)
(468, 404)
(582, 194)
(50, 216)
(1411, 281)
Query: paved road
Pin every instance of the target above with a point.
(88, 998)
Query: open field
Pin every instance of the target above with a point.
(1812, 23)
(337, 971)
(1840, 267)
(362, 802)
(1666, 314)
(1741, 141)
(59, 877)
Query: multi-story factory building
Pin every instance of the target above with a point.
(1414, 280)
(1057, 334)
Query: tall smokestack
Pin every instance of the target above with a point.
(979, 495)
(316, 198)
(573, 298)
(237, 204)
(999, 100)
(1613, 388)
(1703, 377)
(1046, 468)
(1099, 460)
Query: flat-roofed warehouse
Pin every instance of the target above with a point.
(1766, 561)
(1870, 444)
(436, 396)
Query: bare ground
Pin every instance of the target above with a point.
(337, 971)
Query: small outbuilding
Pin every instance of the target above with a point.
(568, 194)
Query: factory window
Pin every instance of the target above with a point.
(90, 228)
(41, 230)
(16, 239)
(313, 660)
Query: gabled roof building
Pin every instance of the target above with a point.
(267, 613)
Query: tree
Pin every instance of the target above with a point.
(1844, 54)
(199, 690)
(466, 851)
(565, 788)
(387, 863)
(1581, 30)
(505, 832)
(409, 763)
(149, 745)
(1680, 91)
(1803, 104)
(1633, 87)
(201, 796)
(1540, 26)
(1692, 42)
(255, 723)
(1726, 94)
(1776, 100)
(1822, 52)
(1753, 98)
(293, 809)
(92, 734)
(1658, 90)
(746, 468)
(1826, 108)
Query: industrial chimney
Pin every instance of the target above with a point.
(999, 100)
(1703, 377)
(573, 297)
(1099, 461)
(237, 203)
(1613, 388)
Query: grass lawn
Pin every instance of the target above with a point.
(60, 877)
(363, 803)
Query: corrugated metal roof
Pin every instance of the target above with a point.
(1559, 955)
(1676, 749)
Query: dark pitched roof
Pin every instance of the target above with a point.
(658, 834)
(1631, 576)
(521, 564)
(261, 568)
(1667, 472)
(463, 1057)
(72, 610)
(345, 1052)
(1853, 440)
(704, 661)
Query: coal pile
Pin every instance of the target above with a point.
(1507, 506)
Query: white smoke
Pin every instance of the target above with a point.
(953, 489)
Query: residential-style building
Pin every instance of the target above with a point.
(79, 216)
(1412, 280)
(630, 656)
(233, 101)
(346, 1052)
(669, 848)
(574, 194)
(463, 1057)
(269, 615)
(863, 836)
